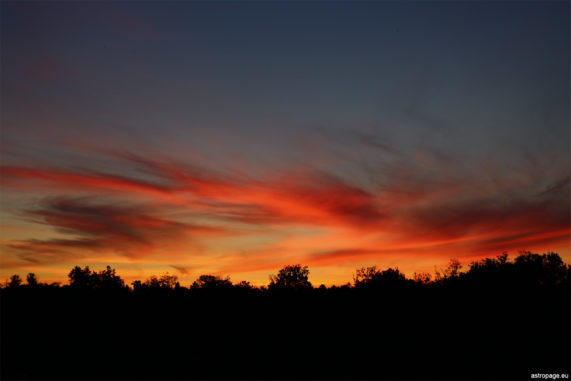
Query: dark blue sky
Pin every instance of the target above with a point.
(263, 68)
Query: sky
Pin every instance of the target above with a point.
(233, 138)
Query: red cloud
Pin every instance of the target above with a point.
(410, 214)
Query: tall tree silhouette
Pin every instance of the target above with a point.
(31, 279)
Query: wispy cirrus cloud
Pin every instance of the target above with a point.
(95, 227)
(308, 197)
(420, 209)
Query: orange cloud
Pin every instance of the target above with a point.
(409, 216)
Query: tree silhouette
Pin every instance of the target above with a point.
(32, 280)
(165, 282)
(87, 279)
(137, 285)
(152, 282)
(546, 268)
(365, 275)
(527, 269)
(80, 278)
(372, 277)
(498, 269)
(422, 278)
(15, 281)
(291, 277)
(168, 281)
(245, 285)
(211, 282)
(453, 269)
(108, 279)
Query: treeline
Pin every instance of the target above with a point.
(498, 318)
(528, 268)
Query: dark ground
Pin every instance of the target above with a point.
(464, 328)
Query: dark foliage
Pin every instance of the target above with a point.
(86, 279)
(208, 282)
(32, 280)
(500, 319)
(291, 277)
(165, 282)
(15, 281)
(370, 277)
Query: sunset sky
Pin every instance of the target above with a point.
(233, 138)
